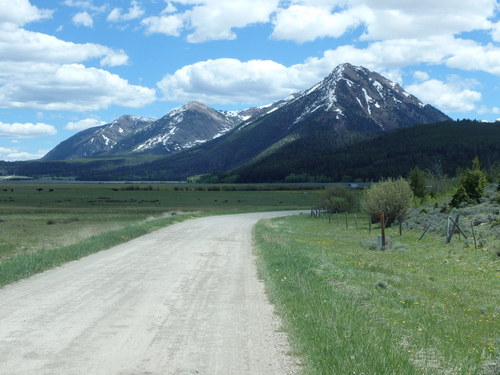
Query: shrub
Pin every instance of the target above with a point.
(460, 197)
(417, 183)
(337, 199)
(393, 197)
(474, 181)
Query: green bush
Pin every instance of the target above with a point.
(460, 197)
(417, 183)
(474, 181)
(472, 185)
(337, 199)
(393, 197)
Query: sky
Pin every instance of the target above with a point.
(67, 65)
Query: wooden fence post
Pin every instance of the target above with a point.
(382, 229)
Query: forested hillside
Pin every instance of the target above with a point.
(440, 148)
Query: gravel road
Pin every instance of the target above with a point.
(182, 300)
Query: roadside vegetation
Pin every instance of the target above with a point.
(45, 225)
(421, 306)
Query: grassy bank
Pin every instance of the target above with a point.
(44, 225)
(422, 307)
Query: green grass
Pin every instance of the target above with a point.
(44, 225)
(422, 307)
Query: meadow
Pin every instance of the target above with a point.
(43, 225)
(421, 307)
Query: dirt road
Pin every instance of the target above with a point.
(182, 300)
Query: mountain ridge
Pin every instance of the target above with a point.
(349, 105)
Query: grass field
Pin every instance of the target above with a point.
(38, 221)
(421, 307)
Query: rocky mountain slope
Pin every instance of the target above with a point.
(98, 140)
(185, 127)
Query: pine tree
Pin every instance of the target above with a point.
(417, 182)
(474, 181)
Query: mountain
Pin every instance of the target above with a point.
(356, 99)
(350, 105)
(97, 140)
(440, 148)
(182, 128)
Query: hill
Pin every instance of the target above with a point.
(441, 148)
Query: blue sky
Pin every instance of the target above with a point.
(66, 65)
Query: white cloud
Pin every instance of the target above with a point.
(87, 5)
(306, 20)
(4, 150)
(425, 18)
(22, 45)
(225, 81)
(83, 19)
(170, 8)
(118, 58)
(421, 76)
(16, 155)
(484, 109)
(495, 32)
(168, 25)
(72, 87)
(84, 124)
(40, 71)
(135, 11)
(485, 58)
(21, 12)
(447, 96)
(396, 54)
(26, 130)
(210, 19)
(306, 23)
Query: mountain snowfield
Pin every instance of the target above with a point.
(351, 99)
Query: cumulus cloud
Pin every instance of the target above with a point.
(73, 87)
(26, 130)
(306, 20)
(84, 124)
(22, 45)
(391, 55)
(306, 23)
(447, 96)
(210, 19)
(16, 155)
(117, 15)
(83, 19)
(224, 81)
(40, 71)
(21, 12)
(385, 19)
(171, 25)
